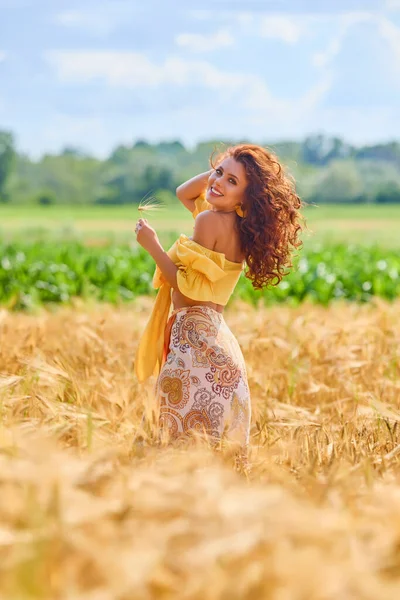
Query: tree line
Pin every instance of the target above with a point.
(326, 170)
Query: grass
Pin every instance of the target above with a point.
(99, 225)
(91, 507)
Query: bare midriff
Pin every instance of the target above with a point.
(181, 301)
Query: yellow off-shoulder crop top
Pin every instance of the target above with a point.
(203, 274)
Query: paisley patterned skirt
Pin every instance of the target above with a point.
(202, 385)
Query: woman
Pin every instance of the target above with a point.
(246, 212)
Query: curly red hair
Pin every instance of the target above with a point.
(269, 232)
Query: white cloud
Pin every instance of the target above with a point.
(354, 17)
(346, 21)
(204, 42)
(258, 97)
(250, 93)
(135, 70)
(322, 59)
(95, 23)
(99, 21)
(282, 27)
(123, 69)
(393, 4)
(391, 33)
(263, 104)
(312, 98)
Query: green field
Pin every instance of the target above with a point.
(97, 225)
(52, 255)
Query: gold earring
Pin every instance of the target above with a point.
(239, 211)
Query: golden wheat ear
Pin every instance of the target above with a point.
(150, 204)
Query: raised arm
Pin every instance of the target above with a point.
(190, 190)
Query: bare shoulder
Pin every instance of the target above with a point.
(217, 231)
(206, 229)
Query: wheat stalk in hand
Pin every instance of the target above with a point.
(150, 204)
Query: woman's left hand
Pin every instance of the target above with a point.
(146, 236)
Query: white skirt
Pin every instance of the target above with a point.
(202, 385)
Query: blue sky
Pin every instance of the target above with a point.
(94, 74)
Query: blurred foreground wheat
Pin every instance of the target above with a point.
(91, 508)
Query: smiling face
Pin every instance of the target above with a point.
(227, 185)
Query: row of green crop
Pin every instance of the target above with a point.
(32, 274)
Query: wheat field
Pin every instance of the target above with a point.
(93, 508)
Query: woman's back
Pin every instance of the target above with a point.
(227, 237)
